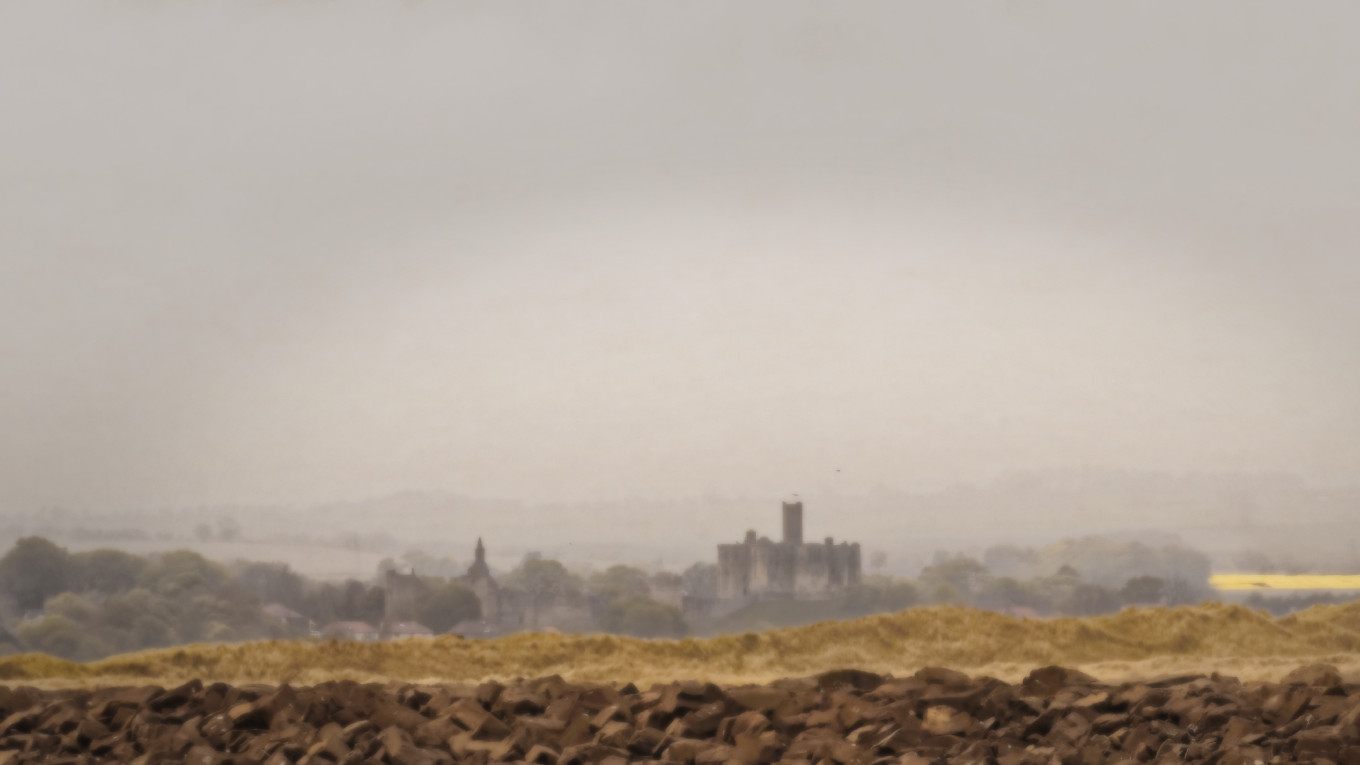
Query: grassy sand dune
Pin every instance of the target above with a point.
(1136, 642)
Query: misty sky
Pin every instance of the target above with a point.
(300, 250)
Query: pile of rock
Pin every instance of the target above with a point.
(846, 717)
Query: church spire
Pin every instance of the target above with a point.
(479, 569)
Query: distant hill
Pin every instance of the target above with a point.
(1219, 513)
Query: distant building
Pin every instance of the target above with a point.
(503, 609)
(361, 631)
(760, 569)
(476, 628)
(284, 616)
(405, 630)
(479, 580)
(507, 609)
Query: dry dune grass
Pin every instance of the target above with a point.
(1134, 643)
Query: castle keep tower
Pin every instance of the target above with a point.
(793, 523)
(758, 568)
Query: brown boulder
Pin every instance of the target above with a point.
(1323, 675)
(646, 741)
(758, 698)
(1047, 681)
(542, 755)
(942, 676)
(615, 734)
(1313, 743)
(762, 749)
(520, 700)
(703, 722)
(852, 678)
(590, 754)
(471, 716)
(1285, 704)
(946, 721)
(431, 733)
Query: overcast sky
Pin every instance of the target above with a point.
(300, 250)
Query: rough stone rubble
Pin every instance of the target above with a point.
(1055, 716)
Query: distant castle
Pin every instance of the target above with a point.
(753, 570)
(761, 569)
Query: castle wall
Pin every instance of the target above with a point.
(835, 564)
(812, 577)
(733, 571)
(761, 568)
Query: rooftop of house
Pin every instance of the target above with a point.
(350, 628)
(280, 611)
(405, 629)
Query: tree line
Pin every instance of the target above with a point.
(87, 605)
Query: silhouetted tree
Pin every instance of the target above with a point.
(965, 575)
(619, 582)
(35, 570)
(1009, 560)
(701, 580)
(361, 602)
(106, 571)
(545, 582)
(60, 636)
(667, 579)
(1006, 592)
(1091, 599)
(182, 571)
(642, 617)
(72, 606)
(876, 595)
(272, 583)
(1180, 592)
(1142, 590)
(445, 604)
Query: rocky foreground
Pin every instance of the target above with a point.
(845, 717)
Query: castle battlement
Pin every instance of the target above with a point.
(760, 568)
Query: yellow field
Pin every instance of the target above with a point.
(1137, 642)
(1285, 581)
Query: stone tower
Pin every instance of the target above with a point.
(760, 568)
(793, 523)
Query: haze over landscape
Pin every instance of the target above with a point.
(705, 383)
(601, 254)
